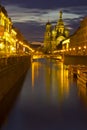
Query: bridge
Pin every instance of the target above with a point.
(50, 56)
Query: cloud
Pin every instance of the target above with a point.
(19, 14)
(45, 4)
(35, 19)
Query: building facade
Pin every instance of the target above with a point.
(11, 40)
(78, 41)
(53, 37)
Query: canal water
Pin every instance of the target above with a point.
(49, 100)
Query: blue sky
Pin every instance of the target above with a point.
(30, 16)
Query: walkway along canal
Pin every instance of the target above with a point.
(48, 100)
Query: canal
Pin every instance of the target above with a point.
(49, 100)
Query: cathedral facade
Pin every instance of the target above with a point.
(54, 37)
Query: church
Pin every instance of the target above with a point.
(54, 37)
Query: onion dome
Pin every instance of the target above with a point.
(48, 26)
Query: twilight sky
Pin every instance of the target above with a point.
(30, 16)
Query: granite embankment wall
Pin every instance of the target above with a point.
(11, 70)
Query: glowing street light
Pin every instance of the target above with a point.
(73, 49)
(84, 47)
(79, 48)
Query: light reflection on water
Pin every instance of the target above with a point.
(49, 100)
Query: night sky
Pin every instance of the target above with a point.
(30, 16)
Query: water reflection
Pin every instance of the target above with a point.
(55, 78)
(82, 93)
(49, 100)
(34, 73)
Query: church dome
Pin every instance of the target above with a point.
(48, 26)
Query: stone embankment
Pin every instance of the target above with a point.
(11, 70)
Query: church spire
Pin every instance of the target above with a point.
(60, 21)
(60, 13)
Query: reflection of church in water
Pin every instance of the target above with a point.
(53, 38)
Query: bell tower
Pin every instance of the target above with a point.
(47, 37)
